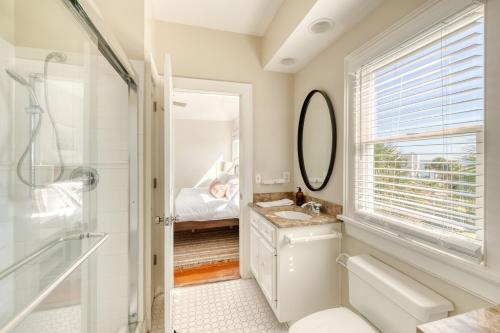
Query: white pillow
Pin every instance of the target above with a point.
(224, 177)
(233, 191)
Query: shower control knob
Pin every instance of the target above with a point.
(88, 176)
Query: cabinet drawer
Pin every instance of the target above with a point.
(268, 232)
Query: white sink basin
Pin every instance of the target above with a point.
(292, 215)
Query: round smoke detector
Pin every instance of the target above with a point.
(320, 26)
(287, 61)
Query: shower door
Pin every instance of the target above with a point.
(68, 175)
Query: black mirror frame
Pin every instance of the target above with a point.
(300, 139)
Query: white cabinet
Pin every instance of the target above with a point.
(267, 275)
(263, 264)
(296, 279)
(254, 251)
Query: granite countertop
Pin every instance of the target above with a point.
(486, 320)
(280, 222)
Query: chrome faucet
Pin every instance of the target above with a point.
(314, 206)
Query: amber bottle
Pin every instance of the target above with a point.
(299, 197)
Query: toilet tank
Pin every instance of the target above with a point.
(390, 300)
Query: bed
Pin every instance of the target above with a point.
(197, 209)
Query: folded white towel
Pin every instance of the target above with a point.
(276, 203)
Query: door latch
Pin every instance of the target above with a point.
(165, 220)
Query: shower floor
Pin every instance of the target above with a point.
(59, 320)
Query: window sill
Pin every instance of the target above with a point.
(473, 278)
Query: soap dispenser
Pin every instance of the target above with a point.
(299, 197)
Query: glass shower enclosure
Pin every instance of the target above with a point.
(68, 174)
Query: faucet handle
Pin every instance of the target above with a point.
(316, 207)
(309, 203)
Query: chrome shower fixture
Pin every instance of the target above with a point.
(56, 57)
(17, 77)
(35, 110)
(25, 83)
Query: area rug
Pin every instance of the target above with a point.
(205, 247)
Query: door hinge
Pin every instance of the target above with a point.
(155, 183)
(154, 107)
(154, 259)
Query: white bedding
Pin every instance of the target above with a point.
(197, 204)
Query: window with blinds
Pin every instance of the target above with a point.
(419, 114)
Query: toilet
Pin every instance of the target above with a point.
(387, 301)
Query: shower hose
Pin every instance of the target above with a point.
(36, 130)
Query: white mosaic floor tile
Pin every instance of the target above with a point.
(157, 315)
(223, 307)
(59, 320)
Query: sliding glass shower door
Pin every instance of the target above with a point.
(68, 216)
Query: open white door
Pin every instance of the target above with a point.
(169, 196)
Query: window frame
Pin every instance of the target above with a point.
(367, 200)
(477, 278)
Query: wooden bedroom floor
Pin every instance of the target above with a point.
(207, 273)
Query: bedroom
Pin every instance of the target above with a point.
(206, 186)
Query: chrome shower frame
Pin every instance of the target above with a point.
(127, 74)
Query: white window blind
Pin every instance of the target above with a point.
(419, 115)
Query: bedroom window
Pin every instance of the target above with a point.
(418, 137)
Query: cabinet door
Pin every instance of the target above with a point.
(254, 252)
(267, 280)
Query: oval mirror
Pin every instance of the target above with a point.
(317, 140)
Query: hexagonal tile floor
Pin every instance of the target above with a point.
(231, 306)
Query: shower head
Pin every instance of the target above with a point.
(56, 56)
(22, 81)
(15, 76)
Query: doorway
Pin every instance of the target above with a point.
(206, 186)
(164, 175)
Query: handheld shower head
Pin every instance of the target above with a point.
(16, 77)
(22, 81)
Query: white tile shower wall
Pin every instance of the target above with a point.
(33, 227)
(111, 127)
(36, 216)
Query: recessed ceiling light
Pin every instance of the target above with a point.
(320, 26)
(287, 61)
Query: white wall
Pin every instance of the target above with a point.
(216, 55)
(198, 146)
(326, 73)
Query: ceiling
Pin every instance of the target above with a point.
(205, 106)
(302, 45)
(251, 17)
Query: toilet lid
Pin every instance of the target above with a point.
(336, 320)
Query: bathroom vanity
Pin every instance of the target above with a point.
(292, 257)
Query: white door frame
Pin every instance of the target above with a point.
(168, 180)
(244, 91)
